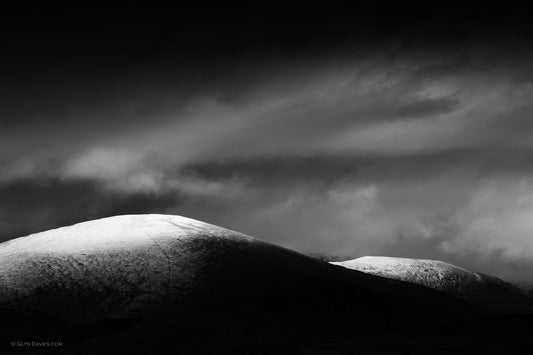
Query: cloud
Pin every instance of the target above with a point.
(428, 107)
(118, 169)
(362, 107)
(33, 205)
(497, 220)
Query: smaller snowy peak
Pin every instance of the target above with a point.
(431, 273)
(486, 291)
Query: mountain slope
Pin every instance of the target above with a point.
(487, 291)
(184, 282)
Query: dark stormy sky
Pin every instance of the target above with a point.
(402, 130)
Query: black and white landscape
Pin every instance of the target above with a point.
(310, 178)
(169, 284)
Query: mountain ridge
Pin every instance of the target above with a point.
(131, 282)
(491, 292)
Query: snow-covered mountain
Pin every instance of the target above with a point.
(130, 264)
(169, 284)
(189, 283)
(483, 290)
